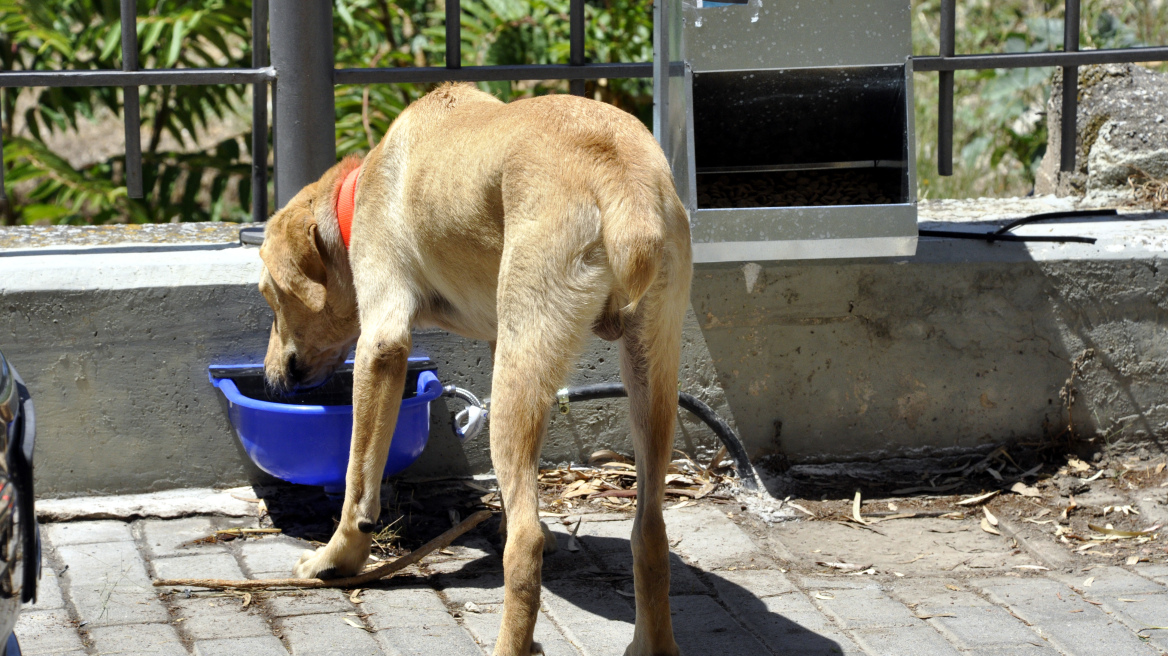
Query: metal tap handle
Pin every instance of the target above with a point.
(470, 420)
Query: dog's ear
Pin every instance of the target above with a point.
(292, 255)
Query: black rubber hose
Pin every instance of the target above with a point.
(1048, 216)
(698, 409)
(1003, 233)
(994, 236)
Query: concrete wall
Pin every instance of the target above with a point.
(115, 343)
(963, 345)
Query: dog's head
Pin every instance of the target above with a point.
(307, 281)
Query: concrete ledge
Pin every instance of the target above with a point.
(114, 342)
(962, 345)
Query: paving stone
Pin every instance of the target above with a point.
(474, 555)
(173, 537)
(903, 641)
(203, 566)
(1024, 649)
(484, 589)
(484, 626)
(1136, 601)
(108, 585)
(46, 632)
(428, 640)
(708, 539)
(137, 640)
(701, 626)
(309, 602)
(213, 618)
(271, 558)
(787, 622)
(563, 560)
(1111, 581)
(1071, 624)
(60, 535)
(402, 607)
(327, 635)
(866, 608)
(48, 591)
(592, 616)
(258, 646)
(1158, 573)
(760, 583)
(415, 622)
(610, 542)
(833, 582)
(976, 624)
(162, 505)
(460, 567)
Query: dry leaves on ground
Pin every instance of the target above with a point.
(611, 481)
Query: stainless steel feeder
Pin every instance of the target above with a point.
(761, 102)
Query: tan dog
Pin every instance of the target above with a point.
(526, 225)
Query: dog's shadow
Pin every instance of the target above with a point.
(712, 614)
(587, 580)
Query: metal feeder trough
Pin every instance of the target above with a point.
(789, 126)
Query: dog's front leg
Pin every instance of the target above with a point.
(379, 375)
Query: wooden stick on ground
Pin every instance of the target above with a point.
(440, 542)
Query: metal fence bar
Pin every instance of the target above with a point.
(1040, 59)
(453, 34)
(131, 110)
(945, 96)
(576, 43)
(302, 54)
(149, 77)
(259, 113)
(1070, 109)
(431, 74)
(3, 195)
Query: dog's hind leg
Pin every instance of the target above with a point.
(379, 375)
(550, 546)
(546, 303)
(650, 354)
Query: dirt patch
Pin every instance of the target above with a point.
(998, 513)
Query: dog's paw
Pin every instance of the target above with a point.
(320, 565)
(550, 545)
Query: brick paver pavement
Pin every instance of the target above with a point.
(734, 592)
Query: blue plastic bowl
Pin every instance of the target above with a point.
(306, 439)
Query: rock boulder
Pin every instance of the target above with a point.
(1122, 131)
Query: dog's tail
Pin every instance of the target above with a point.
(634, 238)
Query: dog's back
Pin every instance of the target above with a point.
(593, 170)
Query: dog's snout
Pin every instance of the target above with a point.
(295, 374)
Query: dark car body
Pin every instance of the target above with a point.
(19, 535)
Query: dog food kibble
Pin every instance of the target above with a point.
(793, 189)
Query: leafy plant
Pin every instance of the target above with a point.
(189, 183)
(191, 176)
(1000, 131)
(86, 35)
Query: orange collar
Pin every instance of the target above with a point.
(346, 200)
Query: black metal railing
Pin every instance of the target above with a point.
(131, 77)
(1069, 59)
(262, 72)
(309, 144)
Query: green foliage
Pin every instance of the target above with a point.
(1000, 115)
(1000, 130)
(86, 35)
(214, 184)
